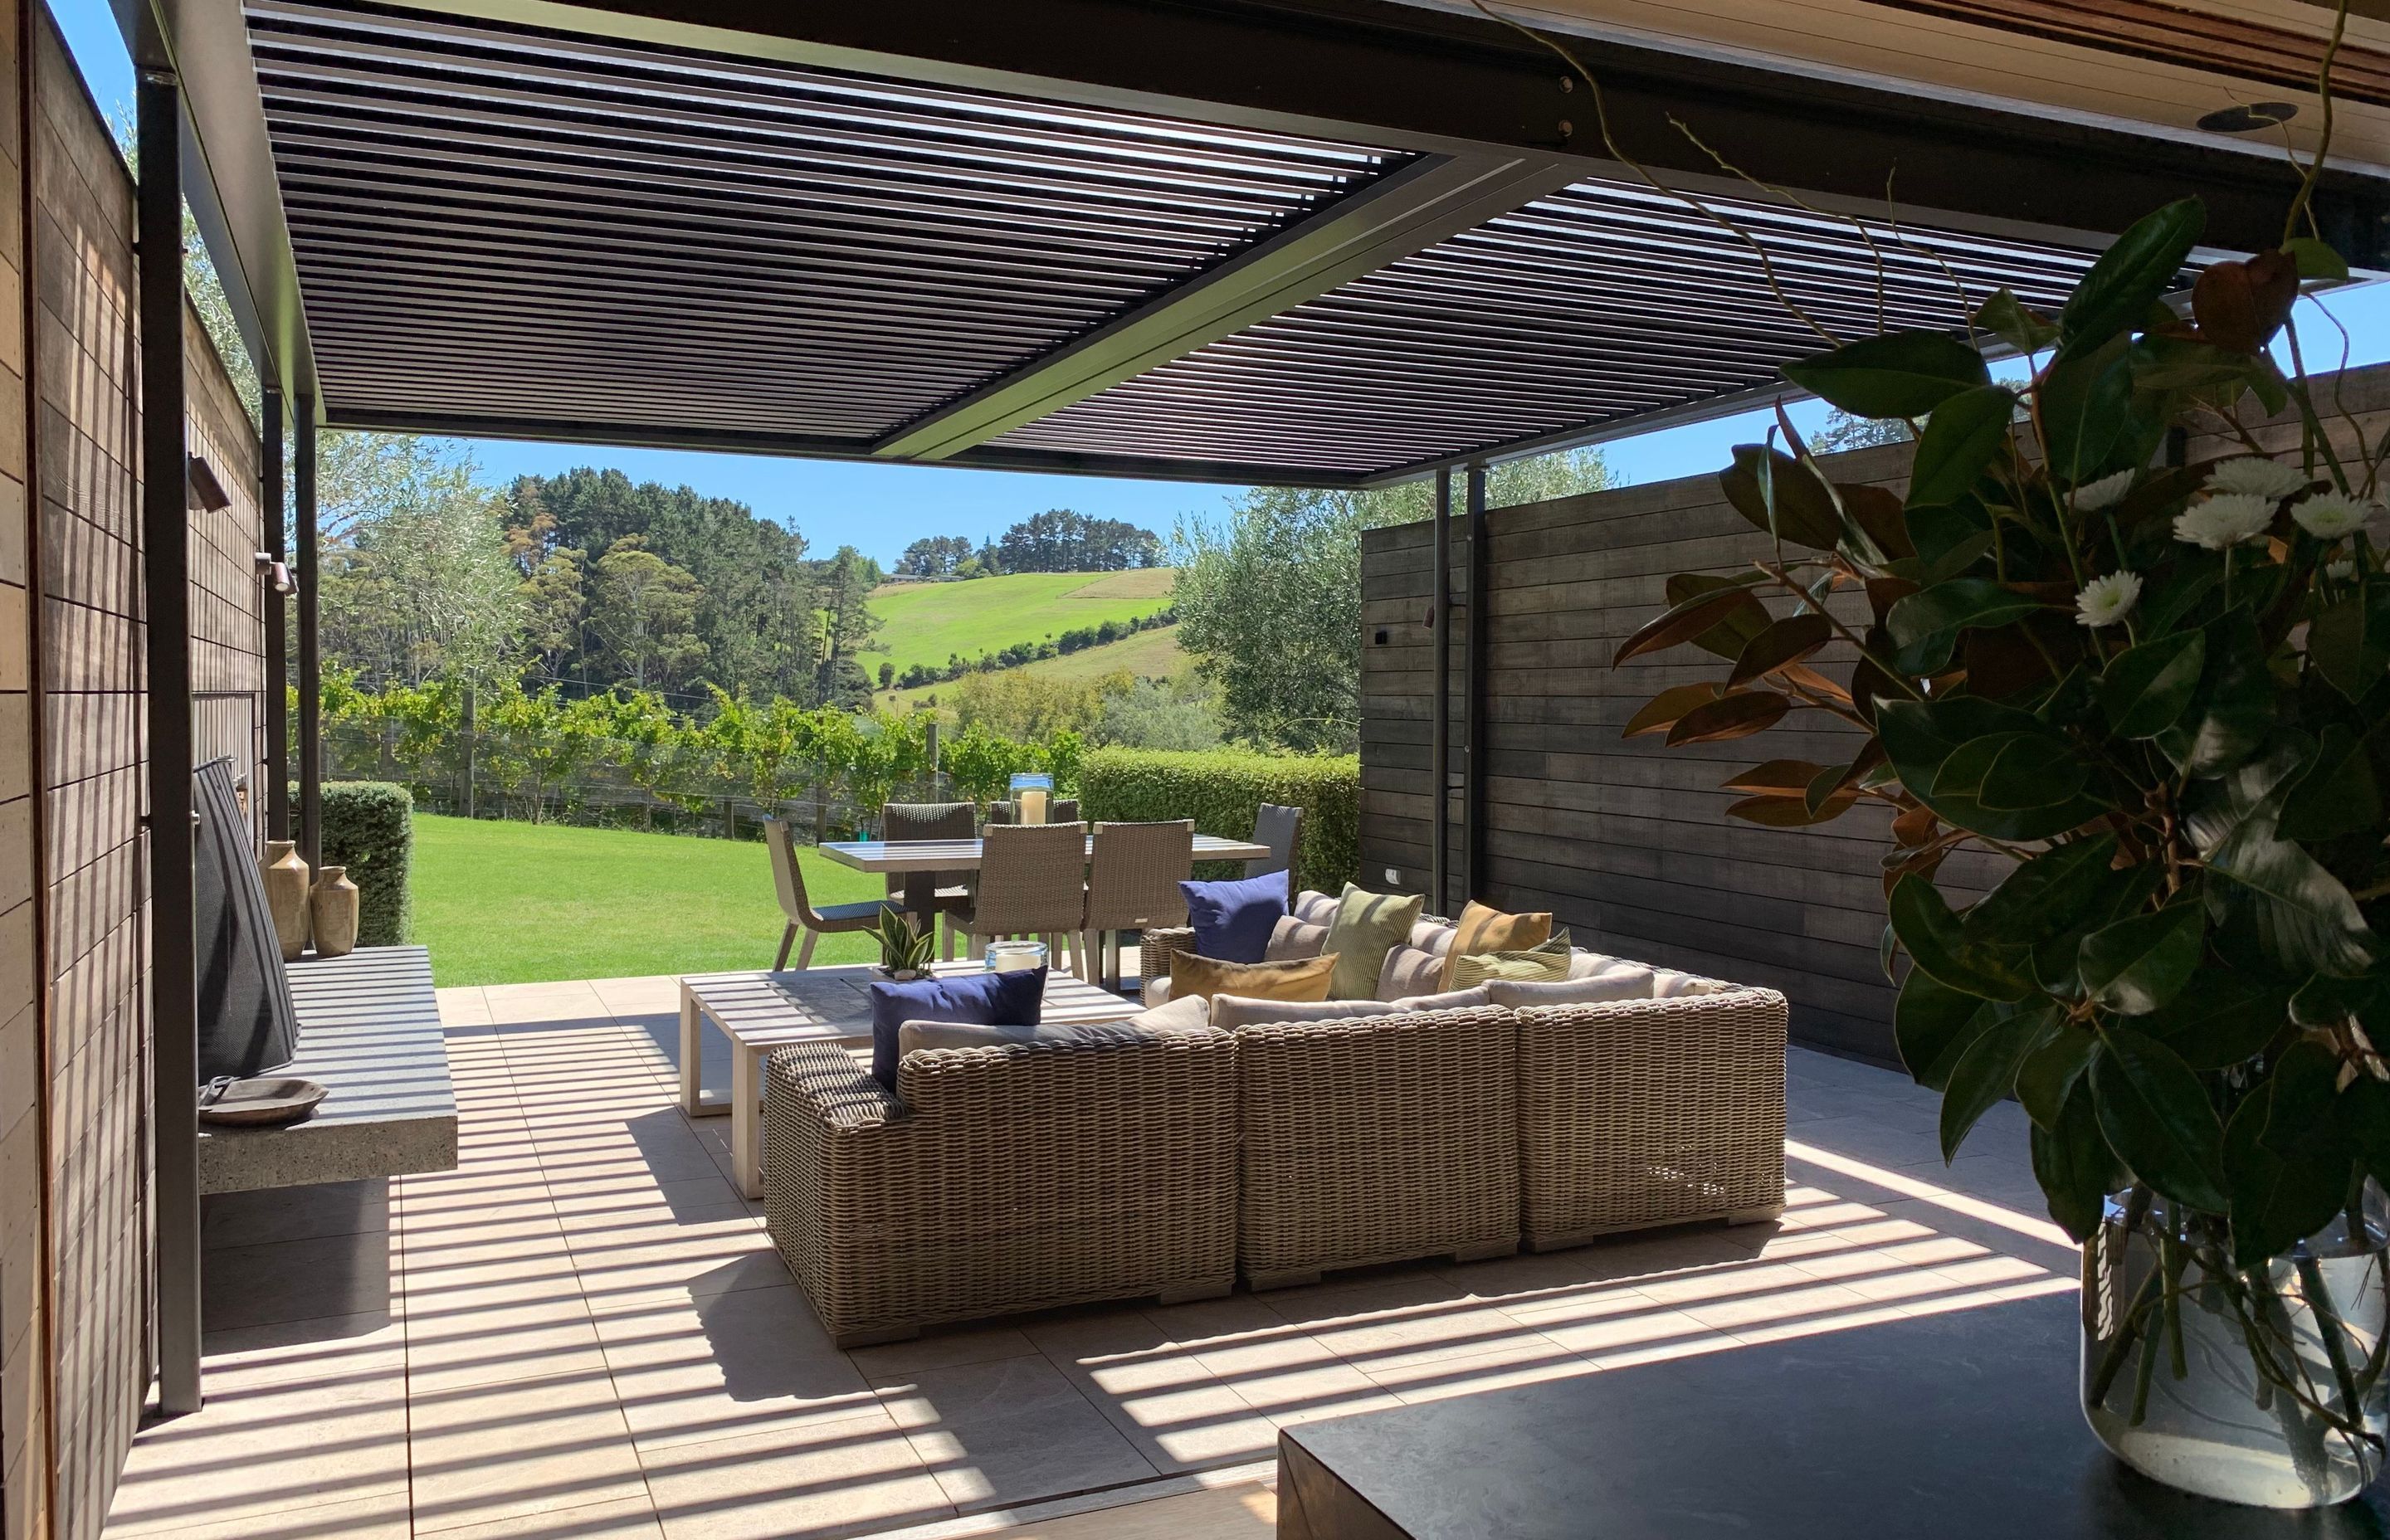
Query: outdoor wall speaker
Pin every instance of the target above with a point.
(247, 1021)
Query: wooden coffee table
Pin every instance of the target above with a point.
(760, 1012)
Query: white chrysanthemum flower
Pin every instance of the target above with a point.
(2105, 492)
(2250, 477)
(2106, 600)
(2341, 570)
(2331, 515)
(2224, 521)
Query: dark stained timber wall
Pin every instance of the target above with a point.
(1627, 841)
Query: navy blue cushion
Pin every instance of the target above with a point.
(1010, 999)
(1233, 920)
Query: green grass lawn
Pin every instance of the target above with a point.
(512, 903)
(928, 623)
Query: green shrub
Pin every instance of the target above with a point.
(1221, 789)
(369, 828)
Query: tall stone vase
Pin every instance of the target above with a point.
(286, 895)
(333, 908)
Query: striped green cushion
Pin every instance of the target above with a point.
(1545, 964)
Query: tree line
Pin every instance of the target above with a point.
(1059, 540)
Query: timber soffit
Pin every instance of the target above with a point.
(507, 231)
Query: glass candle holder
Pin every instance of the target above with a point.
(1007, 956)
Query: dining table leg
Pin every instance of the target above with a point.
(922, 899)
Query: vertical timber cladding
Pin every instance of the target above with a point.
(227, 592)
(86, 457)
(24, 1331)
(1627, 841)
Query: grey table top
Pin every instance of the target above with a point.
(1956, 1426)
(369, 1033)
(923, 855)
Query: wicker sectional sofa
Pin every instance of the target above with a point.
(1169, 1163)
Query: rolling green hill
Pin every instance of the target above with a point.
(1148, 655)
(927, 623)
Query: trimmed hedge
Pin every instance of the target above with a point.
(1221, 789)
(369, 828)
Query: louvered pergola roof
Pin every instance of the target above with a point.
(1329, 243)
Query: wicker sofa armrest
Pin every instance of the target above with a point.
(1379, 1138)
(1003, 1179)
(1154, 950)
(1659, 1112)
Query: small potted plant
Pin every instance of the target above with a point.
(904, 951)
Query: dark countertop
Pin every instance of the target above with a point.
(1952, 1426)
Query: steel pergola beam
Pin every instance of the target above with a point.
(1402, 212)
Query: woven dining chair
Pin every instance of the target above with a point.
(1032, 883)
(933, 821)
(802, 914)
(1281, 829)
(1133, 885)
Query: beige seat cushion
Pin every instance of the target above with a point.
(1313, 908)
(1481, 929)
(1156, 992)
(1666, 981)
(1301, 979)
(1293, 938)
(1409, 971)
(1231, 1011)
(1367, 927)
(1432, 935)
(1451, 999)
(1187, 1015)
(1584, 965)
(915, 1035)
(1620, 982)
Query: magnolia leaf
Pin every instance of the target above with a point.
(1936, 940)
(2223, 1016)
(1922, 737)
(2074, 1165)
(1729, 716)
(1729, 636)
(1933, 1026)
(2337, 795)
(1987, 1071)
(1804, 510)
(1777, 777)
(2299, 916)
(1663, 710)
(2349, 641)
(1785, 641)
(2006, 317)
(2157, 1118)
(2147, 688)
(1925, 625)
(2129, 276)
(1778, 812)
(2136, 965)
(1903, 374)
(2238, 305)
(2286, 1164)
(2050, 1070)
(2314, 258)
(1914, 826)
(2234, 707)
(2085, 407)
(1691, 618)
(2363, 1117)
(1878, 511)
(2031, 770)
(1951, 538)
(1960, 441)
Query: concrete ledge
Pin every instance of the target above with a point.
(369, 1033)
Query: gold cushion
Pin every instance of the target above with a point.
(1296, 979)
(1482, 930)
(1545, 964)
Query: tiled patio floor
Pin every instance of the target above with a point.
(583, 1331)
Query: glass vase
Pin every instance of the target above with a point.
(2261, 1385)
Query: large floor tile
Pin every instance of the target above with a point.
(806, 1483)
(1010, 1430)
(518, 1449)
(727, 1365)
(620, 1518)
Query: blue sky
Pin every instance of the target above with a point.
(882, 508)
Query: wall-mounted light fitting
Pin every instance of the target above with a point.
(202, 490)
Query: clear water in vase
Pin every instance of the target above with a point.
(2259, 1385)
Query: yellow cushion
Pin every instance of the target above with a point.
(1296, 979)
(1484, 929)
(1545, 964)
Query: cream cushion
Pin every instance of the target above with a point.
(1313, 908)
(1432, 935)
(1620, 983)
(1187, 1015)
(1231, 1011)
(1667, 982)
(1293, 938)
(1156, 992)
(915, 1035)
(1584, 965)
(1451, 999)
(1409, 971)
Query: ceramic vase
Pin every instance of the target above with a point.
(286, 895)
(333, 908)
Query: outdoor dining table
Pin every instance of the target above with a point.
(920, 861)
